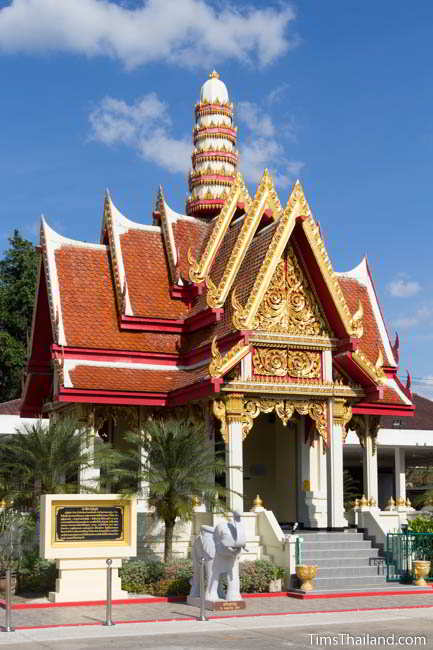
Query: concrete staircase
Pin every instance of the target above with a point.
(346, 561)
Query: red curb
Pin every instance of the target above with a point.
(127, 601)
(361, 594)
(194, 618)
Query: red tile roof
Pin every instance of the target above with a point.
(89, 306)
(134, 380)
(189, 235)
(370, 342)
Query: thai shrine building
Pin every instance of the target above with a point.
(231, 313)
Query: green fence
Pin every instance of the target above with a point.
(401, 551)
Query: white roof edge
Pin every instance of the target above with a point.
(391, 383)
(360, 274)
(172, 215)
(53, 241)
(60, 240)
(127, 224)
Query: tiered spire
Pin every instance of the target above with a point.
(214, 157)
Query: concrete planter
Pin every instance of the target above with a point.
(421, 569)
(306, 574)
(275, 585)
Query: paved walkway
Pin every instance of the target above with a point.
(235, 633)
(95, 615)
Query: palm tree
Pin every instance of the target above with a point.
(180, 468)
(45, 459)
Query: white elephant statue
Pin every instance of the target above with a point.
(220, 547)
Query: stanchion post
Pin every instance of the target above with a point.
(108, 620)
(8, 627)
(202, 616)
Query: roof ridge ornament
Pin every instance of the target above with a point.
(265, 196)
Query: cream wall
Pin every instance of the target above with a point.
(270, 467)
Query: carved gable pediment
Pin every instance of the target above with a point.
(289, 304)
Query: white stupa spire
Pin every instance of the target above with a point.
(214, 157)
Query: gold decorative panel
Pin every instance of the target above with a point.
(289, 305)
(282, 362)
(303, 364)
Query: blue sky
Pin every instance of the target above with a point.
(97, 93)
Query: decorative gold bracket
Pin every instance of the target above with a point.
(220, 365)
(235, 408)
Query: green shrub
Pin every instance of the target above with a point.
(256, 576)
(153, 577)
(35, 575)
(421, 524)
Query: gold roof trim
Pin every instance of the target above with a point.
(108, 221)
(199, 270)
(374, 371)
(167, 235)
(321, 389)
(266, 196)
(221, 364)
(353, 324)
(245, 317)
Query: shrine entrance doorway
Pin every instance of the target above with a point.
(270, 465)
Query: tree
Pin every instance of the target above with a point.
(18, 271)
(46, 458)
(180, 468)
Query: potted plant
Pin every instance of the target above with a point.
(276, 582)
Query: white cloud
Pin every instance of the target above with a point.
(262, 147)
(145, 126)
(276, 94)
(258, 121)
(403, 288)
(418, 317)
(189, 33)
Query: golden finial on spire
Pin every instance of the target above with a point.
(214, 75)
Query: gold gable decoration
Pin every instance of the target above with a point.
(282, 362)
(289, 305)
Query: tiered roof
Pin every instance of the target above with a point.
(162, 314)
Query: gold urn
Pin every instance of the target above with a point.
(421, 569)
(306, 573)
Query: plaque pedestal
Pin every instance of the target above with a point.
(217, 605)
(85, 580)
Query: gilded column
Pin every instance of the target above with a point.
(234, 452)
(338, 414)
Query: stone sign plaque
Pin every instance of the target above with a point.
(89, 523)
